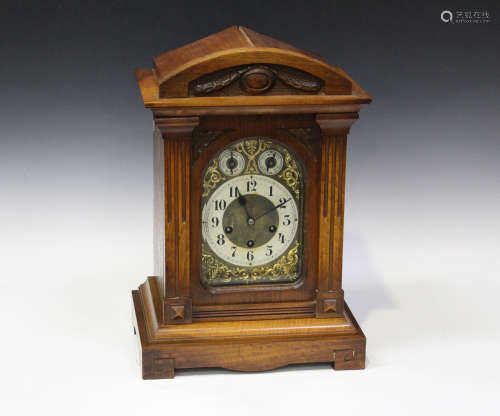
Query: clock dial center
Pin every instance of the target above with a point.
(240, 218)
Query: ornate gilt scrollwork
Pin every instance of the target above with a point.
(218, 273)
(291, 175)
(212, 178)
(251, 149)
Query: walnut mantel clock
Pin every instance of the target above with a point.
(249, 160)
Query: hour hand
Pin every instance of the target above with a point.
(243, 202)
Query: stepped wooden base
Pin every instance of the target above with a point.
(242, 345)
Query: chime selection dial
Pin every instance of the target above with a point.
(231, 163)
(270, 162)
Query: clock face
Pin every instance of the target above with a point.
(252, 215)
(253, 226)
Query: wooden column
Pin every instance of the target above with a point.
(176, 133)
(334, 130)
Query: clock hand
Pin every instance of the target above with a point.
(243, 202)
(272, 209)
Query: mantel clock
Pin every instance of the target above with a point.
(249, 166)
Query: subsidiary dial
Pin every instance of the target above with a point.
(270, 162)
(231, 162)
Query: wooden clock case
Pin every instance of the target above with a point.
(232, 85)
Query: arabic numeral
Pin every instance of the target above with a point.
(250, 255)
(282, 201)
(220, 204)
(220, 240)
(269, 251)
(233, 254)
(215, 222)
(287, 220)
(281, 237)
(252, 185)
(234, 192)
(271, 190)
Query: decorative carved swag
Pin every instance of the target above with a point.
(256, 79)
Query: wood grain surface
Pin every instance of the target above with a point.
(248, 346)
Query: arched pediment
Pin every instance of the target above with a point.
(239, 47)
(240, 62)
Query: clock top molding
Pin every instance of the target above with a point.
(238, 71)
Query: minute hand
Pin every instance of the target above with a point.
(272, 209)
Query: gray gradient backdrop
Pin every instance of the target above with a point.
(422, 258)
